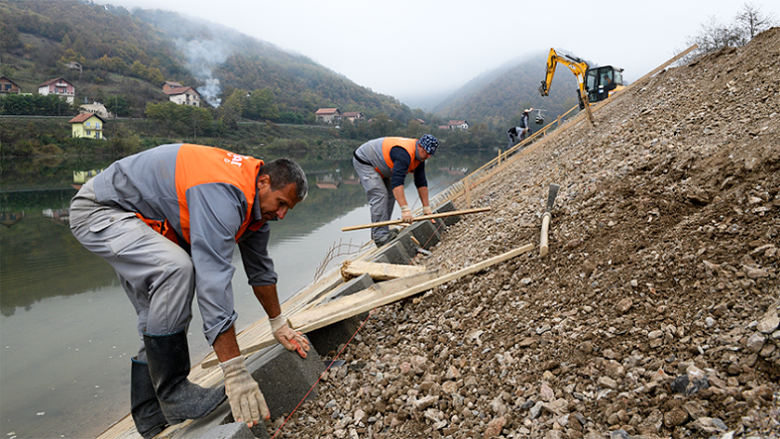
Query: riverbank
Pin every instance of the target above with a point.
(653, 315)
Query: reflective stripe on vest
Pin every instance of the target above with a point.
(410, 145)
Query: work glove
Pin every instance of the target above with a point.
(427, 211)
(406, 214)
(291, 340)
(246, 401)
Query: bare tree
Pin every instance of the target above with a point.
(715, 35)
(753, 21)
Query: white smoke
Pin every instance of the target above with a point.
(202, 56)
(211, 91)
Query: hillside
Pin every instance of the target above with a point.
(498, 96)
(654, 315)
(127, 55)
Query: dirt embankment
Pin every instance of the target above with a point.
(655, 314)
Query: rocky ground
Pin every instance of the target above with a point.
(655, 314)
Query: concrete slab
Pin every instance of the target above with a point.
(394, 253)
(233, 430)
(424, 233)
(353, 286)
(329, 339)
(449, 206)
(381, 258)
(285, 378)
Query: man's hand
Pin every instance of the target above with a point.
(406, 214)
(246, 401)
(291, 340)
(427, 211)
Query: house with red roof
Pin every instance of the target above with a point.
(60, 87)
(88, 125)
(328, 115)
(181, 95)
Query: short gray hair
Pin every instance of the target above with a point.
(284, 171)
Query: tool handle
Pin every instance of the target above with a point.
(543, 247)
(418, 218)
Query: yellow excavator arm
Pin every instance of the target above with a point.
(577, 66)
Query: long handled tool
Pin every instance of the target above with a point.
(419, 218)
(543, 247)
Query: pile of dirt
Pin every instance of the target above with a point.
(655, 314)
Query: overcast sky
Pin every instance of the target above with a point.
(413, 48)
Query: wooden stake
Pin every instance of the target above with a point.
(419, 218)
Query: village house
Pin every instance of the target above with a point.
(418, 120)
(7, 86)
(60, 87)
(457, 125)
(352, 116)
(182, 95)
(88, 125)
(328, 115)
(96, 108)
(170, 85)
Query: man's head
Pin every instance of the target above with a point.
(281, 184)
(428, 144)
(527, 110)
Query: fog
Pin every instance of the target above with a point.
(416, 49)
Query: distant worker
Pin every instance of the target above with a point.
(168, 219)
(519, 133)
(382, 165)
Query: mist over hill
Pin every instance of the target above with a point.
(133, 52)
(497, 97)
(125, 56)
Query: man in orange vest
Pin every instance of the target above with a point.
(167, 220)
(382, 165)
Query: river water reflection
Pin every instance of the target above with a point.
(67, 330)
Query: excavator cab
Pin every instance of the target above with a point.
(601, 82)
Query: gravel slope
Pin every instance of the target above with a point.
(655, 314)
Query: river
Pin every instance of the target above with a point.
(67, 330)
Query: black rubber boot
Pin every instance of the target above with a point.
(147, 415)
(169, 364)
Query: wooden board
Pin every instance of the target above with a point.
(263, 338)
(369, 299)
(378, 270)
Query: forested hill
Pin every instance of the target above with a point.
(132, 53)
(500, 94)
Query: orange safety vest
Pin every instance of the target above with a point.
(410, 145)
(195, 165)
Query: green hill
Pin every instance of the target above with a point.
(130, 54)
(497, 97)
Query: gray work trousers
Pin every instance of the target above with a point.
(380, 196)
(156, 274)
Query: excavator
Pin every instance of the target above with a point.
(595, 84)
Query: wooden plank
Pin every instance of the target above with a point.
(378, 270)
(418, 218)
(367, 300)
(263, 339)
